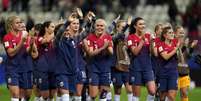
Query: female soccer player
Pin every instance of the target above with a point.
(45, 61)
(67, 41)
(19, 62)
(120, 77)
(168, 73)
(184, 54)
(141, 71)
(100, 50)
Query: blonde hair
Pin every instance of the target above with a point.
(10, 20)
(101, 20)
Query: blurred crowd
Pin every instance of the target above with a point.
(190, 18)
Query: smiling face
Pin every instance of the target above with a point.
(169, 35)
(50, 28)
(100, 26)
(140, 26)
(16, 25)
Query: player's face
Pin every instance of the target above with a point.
(75, 25)
(170, 34)
(121, 26)
(140, 26)
(51, 28)
(16, 25)
(23, 27)
(180, 33)
(158, 32)
(100, 27)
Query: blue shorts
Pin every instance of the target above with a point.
(23, 80)
(166, 84)
(46, 81)
(119, 78)
(141, 77)
(66, 82)
(99, 79)
(81, 77)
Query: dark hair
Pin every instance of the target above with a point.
(164, 31)
(132, 29)
(57, 28)
(44, 25)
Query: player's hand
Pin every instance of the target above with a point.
(194, 43)
(24, 35)
(79, 13)
(90, 16)
(129, 20)
(118, 17)
(106, 43)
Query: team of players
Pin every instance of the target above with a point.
(60, 59)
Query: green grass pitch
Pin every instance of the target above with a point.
(194, 95)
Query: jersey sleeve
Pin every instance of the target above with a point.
(90, 40)
(7, 42)
(161, 48)
(130, 41)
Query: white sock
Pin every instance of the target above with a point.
(103, 99)
(42, 99)
(58, 98)
(90, 99)
(116, 97)
(130, 96)
(71, 98)
(65, 97)
(22, 99)
(14, 99)
(37, 99)
(77, 98)
(135, 98)
(109, 96)
(150, 97)
(52, 99)
(166, 98)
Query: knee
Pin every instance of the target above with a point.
(184, 94)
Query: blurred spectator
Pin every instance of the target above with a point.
(172, 11)
(25, 5)
(30, 23)
(47, 5)
(2, 28)
(5, 5)
(192, 18)
(15, 6)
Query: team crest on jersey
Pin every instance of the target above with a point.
(9, 80)
(61, 84)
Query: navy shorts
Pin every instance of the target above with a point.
(141, 77)
(99, 79)
(67, 82)
(81, 77)
(46, 81)
(166, 84)
(24, 80)
(119, 78)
